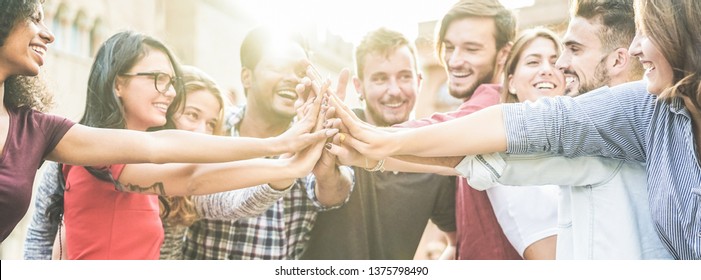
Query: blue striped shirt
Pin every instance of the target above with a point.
(624, 122)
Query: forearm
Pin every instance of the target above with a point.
(41, 233)
(93, 146)
(200, 179)
(558, 170)
(333, 187)
(233, 205)
(438, 165)
(477, 133)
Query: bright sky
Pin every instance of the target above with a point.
(352, 19)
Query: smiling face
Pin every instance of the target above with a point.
(271, 85)
(25, 46)
(469, 54)
(201, 113)
(658, 70)
(144, 106)
(535, 74)
(583, 59)
(389, 86)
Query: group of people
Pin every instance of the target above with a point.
(583, 159)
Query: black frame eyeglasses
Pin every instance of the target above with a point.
(161, 81)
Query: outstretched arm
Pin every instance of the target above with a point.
(84, 145)
(438, 140)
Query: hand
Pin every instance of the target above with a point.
(308, 129)
(370, 141)
(346, 155)
(305, 89)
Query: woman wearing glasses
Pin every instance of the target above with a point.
(28, 136)
(131, 85)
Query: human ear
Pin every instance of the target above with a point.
(246, 78)
(504, 53)
(618, 62)
(118, 86)
(359, 88)
(511, 89)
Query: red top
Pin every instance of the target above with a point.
(479, 234)
(31, 136)
(105, 224)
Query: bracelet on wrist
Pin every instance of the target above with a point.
(380, 166)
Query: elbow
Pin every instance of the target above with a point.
(195, 185)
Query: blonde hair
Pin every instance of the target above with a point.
(181, 208)
(525, 39)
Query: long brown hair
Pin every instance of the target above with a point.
(675, 29)
(525, 39)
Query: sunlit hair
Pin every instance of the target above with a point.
(103, 107)
(504, 20)
(384, 42)
(617, 20)
(522, 42)
(22, 91)
(182, 209)
(674, 27)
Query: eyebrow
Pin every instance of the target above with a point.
(468, 43)
(193, 108)
(533, 54)
(572, 42)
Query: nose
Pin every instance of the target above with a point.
(46, 34)
(393, 87)
(635, 49)
(292, 77)
(455, 59)
(171, 92)
(563, 62)
(547, 69)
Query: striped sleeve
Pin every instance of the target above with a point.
(610, 122)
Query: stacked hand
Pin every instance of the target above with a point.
(358, 143)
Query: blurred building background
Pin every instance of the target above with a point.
(206, 34)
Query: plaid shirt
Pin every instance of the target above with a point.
(281, 232)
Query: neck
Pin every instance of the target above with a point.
(3, 110)
(368, 117)
(255, 125)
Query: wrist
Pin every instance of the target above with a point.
(379, 166)
(277, 146)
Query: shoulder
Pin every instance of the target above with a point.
(486, 94)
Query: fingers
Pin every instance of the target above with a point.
(348, 118)
(343, 154)
(343, 79)
(303, 89)
(347, 140)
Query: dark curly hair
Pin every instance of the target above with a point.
(22, 91)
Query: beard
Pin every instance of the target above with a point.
(601, 78)
(467, 93)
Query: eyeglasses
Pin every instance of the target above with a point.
(161, 81)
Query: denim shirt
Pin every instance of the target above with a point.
(624, 122)
(603, 210)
